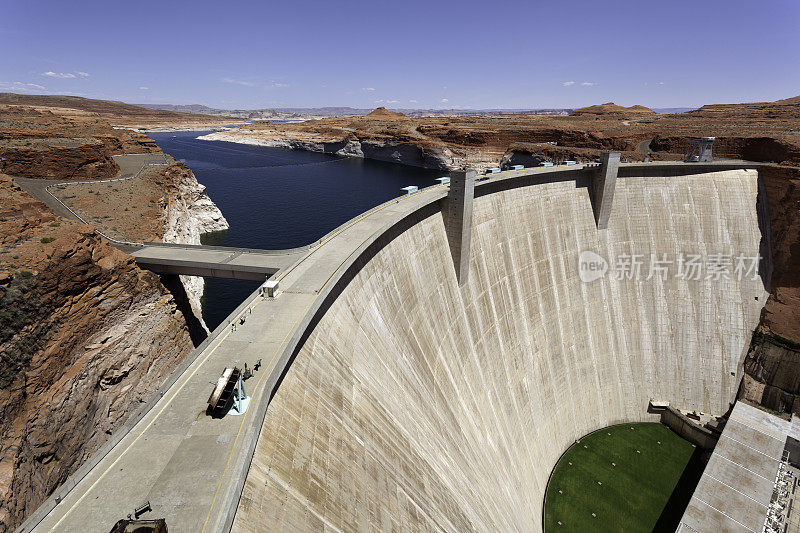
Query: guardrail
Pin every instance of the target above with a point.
(76, 215)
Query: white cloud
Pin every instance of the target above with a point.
(65, 75)
(588, 83)
(413, 102)
(368, 88)
(392, 101)
(62, 75)
(379, 101)
(237, 82)
(568, 83)
(244, 83)
(445, 100)
(19, 86)
(143, 88)
(661, 83)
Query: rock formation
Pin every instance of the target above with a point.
(189, 213)
(760, 132)
(86, 336)
(381, 113)
(38, 143)
(610, 108)
(406, 153)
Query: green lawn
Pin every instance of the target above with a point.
(656, 480)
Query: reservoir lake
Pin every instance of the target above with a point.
(276, 198)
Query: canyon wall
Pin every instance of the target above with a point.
(772, 367)
(417, 404)
(85, 338)
(189, 213)
(533, 155)
(406, 153)
(767, 149)
(772, 373)
(85, 335)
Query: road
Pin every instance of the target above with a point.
(129, 164)
(644, 147)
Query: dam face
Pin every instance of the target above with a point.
(416, 404)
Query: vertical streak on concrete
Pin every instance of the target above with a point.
(603, 186)
(459, 221)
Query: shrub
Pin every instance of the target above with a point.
(46, 240)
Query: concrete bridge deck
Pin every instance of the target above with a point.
(214, 261)
(191, 467)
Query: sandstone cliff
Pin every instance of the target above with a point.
(85, 336)
(772, 373)
(406, 153)
(533, 155)
(189, 213)
(41, 144)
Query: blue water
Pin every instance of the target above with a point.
(279, 198)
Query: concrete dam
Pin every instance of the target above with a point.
(408, 395)
(421, 405)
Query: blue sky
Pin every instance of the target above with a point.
(407, 54)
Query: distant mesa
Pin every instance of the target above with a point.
(789, 101)
(383, 113)
(610, 108)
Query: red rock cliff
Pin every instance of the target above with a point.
(85, 337)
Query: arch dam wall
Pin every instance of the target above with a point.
(419, 404)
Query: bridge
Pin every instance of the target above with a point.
(192, 467)
(214, 261)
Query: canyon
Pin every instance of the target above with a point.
(87, 336)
